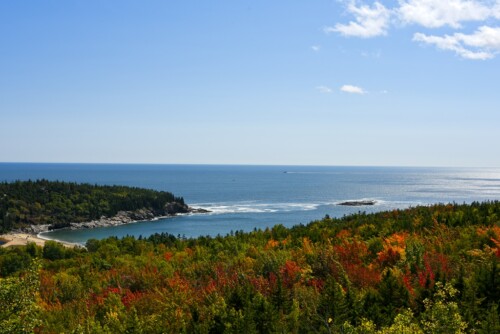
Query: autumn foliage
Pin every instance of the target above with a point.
(414, 270)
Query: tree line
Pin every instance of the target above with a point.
(24, 203)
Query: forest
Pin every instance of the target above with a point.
(24, 203)
(428, 269)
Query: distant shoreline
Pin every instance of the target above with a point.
(22, 239)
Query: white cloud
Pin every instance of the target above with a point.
(375, 20)
(370, 21)
(496, 10)
(483, 44)
(352, 89)
(439, 13)
(324, 89)
(316, 48)
(484, 37)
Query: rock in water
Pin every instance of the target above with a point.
(358, 203)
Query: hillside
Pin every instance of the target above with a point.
(422, 270)
(25, 203)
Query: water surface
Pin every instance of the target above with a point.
(248, 197)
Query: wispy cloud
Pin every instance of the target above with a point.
(369, 21)
(352, 89)
(483, 44)
(479, 44)
(324, 89)
(316, 48)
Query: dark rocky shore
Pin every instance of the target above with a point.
(124, 217)
(358, 203)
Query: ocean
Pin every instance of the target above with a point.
(249, 197)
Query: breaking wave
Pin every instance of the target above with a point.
(253, 207)
(256, 207)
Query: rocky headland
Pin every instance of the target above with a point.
(122, 218)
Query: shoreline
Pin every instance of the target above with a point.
(34, 232)
(66, 243)
(121, 218)
(22, 239)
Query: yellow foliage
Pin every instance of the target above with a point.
(307, 246)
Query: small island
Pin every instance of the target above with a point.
(358, 203)
(37, 206)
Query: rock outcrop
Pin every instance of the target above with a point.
(358, 203)
(125, 217)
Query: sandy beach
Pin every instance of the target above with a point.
(19, 239)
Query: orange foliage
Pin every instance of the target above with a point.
(397, 242)
(189, 251)
(47, 287)
(271, 244)
(388, 257)
(394, 249)
(493, 232)
(343, 234)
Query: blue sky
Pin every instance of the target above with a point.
(405, 83)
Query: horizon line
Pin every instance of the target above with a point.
(236, 164)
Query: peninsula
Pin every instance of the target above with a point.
(38, 206)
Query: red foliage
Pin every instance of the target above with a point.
(99, 298)
(426, 273)
(362, 276)
(178, 283)
(351, 252)
(262, 284)
(225, 278)
(168, 256)
(317, 283)
(351, 256)
(129, 297)
(210, 288)
(290, 273)
(273, 280)
(407, 281)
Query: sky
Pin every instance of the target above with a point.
(384, 83)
